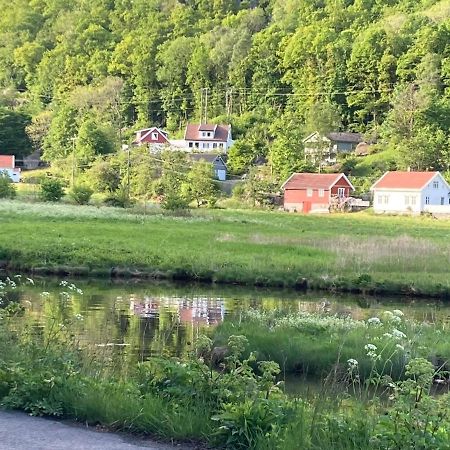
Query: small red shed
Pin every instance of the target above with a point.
(305, 192)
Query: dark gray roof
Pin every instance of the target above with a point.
(208, 157)
(345, 137)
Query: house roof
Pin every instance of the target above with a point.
(404, 180)
(193, 130)
(208, 157)
(7, 161)
(345, 137)
(146, 131)
(314, 181)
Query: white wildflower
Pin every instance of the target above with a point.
(79, 317)
(374, 321)
(387, 335)
(397, 313)
(397, 334)
(30, 280)
(352, 363)
(400, 347)
(370, 347)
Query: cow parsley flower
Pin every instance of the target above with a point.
(370, 347)
(352, 363)
(397, 334)
(397, 313)
(374, 321)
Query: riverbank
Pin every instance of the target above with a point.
(358, 253)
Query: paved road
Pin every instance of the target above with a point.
(18, 431)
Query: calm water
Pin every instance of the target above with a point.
(146, 319)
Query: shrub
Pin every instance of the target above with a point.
(51, 190)
(81, 194)
(7, 189)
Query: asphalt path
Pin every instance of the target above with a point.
(18, 431)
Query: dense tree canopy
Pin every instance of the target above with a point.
(96, 70)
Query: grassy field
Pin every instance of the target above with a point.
(356, 252)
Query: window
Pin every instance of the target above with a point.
(380, 199)
(435, 184)
(190, 144)
(427, 200)
(386, 199)
(208, 134)
(413, 199)
(321, 192)
(203, 134)
(341, 192)
(221, 145)
(406, 199)
(196, 145)
(214, 145)
(154, 136)
(442, 200)
(309, 192)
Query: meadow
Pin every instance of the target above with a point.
(353, 252)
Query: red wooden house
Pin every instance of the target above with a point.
(151, 136)
(305, 192)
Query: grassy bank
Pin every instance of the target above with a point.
(317, 345)
(239, 406)
(355, 252)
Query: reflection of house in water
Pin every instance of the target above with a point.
(197, 310)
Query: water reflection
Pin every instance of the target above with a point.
(152, 319)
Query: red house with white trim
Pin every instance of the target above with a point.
(315, 192)
(151, 136)
(8, 166)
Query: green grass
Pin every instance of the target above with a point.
(354, 252)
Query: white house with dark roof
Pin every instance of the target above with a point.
(206, 137)
(325, 148)
(411, 193)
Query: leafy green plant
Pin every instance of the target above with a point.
(52, 190)
(81, 194)
(7, 188)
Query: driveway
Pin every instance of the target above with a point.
(18, 431)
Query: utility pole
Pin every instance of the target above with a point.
(229, 102)
(72, 182)
(204, 105)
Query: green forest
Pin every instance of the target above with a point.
(81, 76)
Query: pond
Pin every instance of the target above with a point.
(141, 319)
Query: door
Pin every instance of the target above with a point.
(306, 207)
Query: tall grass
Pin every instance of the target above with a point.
(361, 253)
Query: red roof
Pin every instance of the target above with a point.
(7, 161)
(193, 132)
(314, 181)
(404, 180)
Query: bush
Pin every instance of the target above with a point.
(7, 189)
(51, 190)
(81, 194)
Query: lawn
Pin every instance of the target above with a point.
(359, 252)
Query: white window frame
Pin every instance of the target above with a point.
(442, 200)
(406, 200)
(386, 199)
(427, 200)
(154, 135)
(321, 192)
(413, 200)
(309, 192)
(341, 192)
(380, 199)
(435, 184)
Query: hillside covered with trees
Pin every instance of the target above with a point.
(79, 77)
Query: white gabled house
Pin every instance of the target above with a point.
(411, 193)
